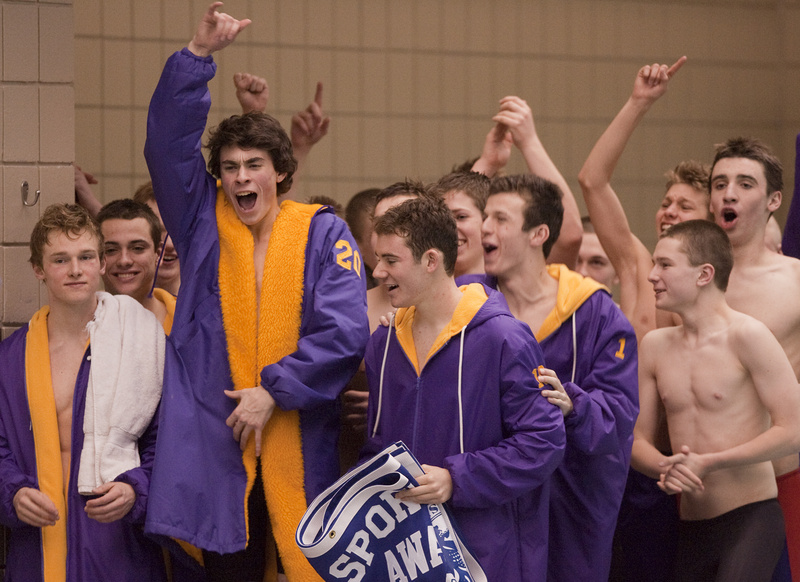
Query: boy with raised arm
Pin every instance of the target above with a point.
(454, 378)
(79, 386)
(269, 326)
(732, 404)
(686, 197)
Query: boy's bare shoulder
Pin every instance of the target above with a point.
(744, 329)
(657, 339)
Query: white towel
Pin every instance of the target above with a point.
(127, 346)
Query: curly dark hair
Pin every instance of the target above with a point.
(254, 130)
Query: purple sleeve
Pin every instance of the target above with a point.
(12, 479)
(334, 328)
(534, 438)
(175, 124)
(791, 231)
(606, 403)
(139, 478)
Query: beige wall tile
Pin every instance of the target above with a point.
(455, 87)
(118, 68)
(348, 147)
(56, 42)
(375, 25)
(401, 90)
(375, 97)
(117, 18)
(20, 287)
(57, 184)
(531, 26)
(89, 138)
(428, 26)
(118, 149)
(426, 84)
(147, 56)
(480, 19)
(89, 73)
(180, 20)
(147, 19)
(319, 22)
(555, 29)
(378, 146)
(481, 96)
(349, 83)
(402, 145)
(504, 24)
(320, 68)
(18, 219)
(401, 20)
(20, 123)
(454, 29)
(427, 143)
(292, 91)
(290, 17)
(56, 123)
(20, 42)
(87, 17)
(347, 23)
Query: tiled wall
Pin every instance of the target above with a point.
(38, 137)
(411, 86)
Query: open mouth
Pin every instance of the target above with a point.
(666, 227)
(729, 216)
(391, 287)
(125, 276)
(246, 200)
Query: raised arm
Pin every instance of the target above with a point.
(517, 116)
(496, 151)
(630, 257)
(216, 31)
(175, 123)
(308, 127)
(252, 92)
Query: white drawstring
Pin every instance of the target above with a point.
(574, 348)
(380, 384)
(460, 407)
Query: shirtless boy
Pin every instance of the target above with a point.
(746, 183)
(732, 404)
(48, 376)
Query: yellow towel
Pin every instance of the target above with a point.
(44, 422)
(250, 349)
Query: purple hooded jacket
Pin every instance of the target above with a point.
(95, 551)
(513, 438)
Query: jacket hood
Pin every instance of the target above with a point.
(478, 304)
(573, 291)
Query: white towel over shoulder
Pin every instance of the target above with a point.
(127, 346)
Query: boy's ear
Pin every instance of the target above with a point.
(38, 272)
(538, 235)
(431, 259)
(774, 201)
(706, 275)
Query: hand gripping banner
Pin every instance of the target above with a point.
(358, 532)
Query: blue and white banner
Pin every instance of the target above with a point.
(357, 531)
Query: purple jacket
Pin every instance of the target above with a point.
(791, 231)
(595, 339)
(513, 438)
(115, 551)
(198, 477)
